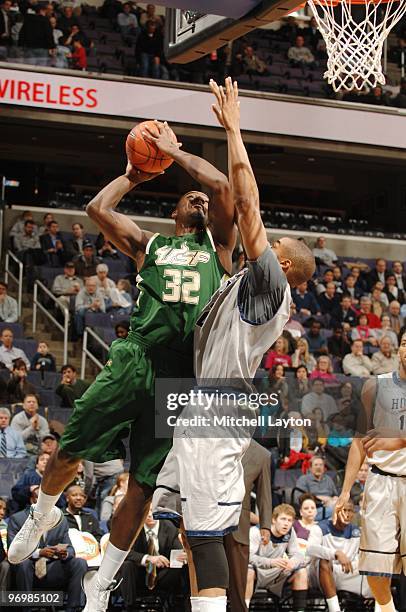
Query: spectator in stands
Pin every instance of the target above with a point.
(79, 57)
(319, 484)
(400, 99)
(149, 52)
(363, 332)
(278, 354)
(338, 279)
(75, 34)
(306, 303)
(254, 65)
(8, 305)
(290, 29)
(302, 356)
(122, 328)
(317, 343)
(374, 322)
(276, 383)
(298, 388)
(398, 271)
(53, 245)
(19, 225)
(18, 386)
(28, 249)
(76, 517)
(46, 220)
(150, 15)
(338, 344)
(120, 488)
(378, 97)
(147, 566)
(294, 327)
(71, 387)
(48, 445)
(386, 330)
(127, 22)
(56, 32)
(329, 300)
(324, 370)
(379, 299)
(345, 315)
(396, 320)
(29, 480)
(37, 38)
(86, 263)
(32, 426)
(67, 285)
(385, 360)
(273, 564)
(67, 19)
(356, 363)
(312, 33)
(321, 284)
(351, 288)
(74, 245)
(325, 256)
(51, 567)
(4, 564)
(11, 442)
(8, 352)
(43, 360)
(89, 299)
(105, 248)
(5, 23)
(357, 490)
(120, 297)
(104, 284)
(317, 398)
(379, 273)
(392, 290)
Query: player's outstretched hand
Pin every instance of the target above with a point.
(339, 507)
(383, 439)
(139, 176)
(165, 139)
(227, 109)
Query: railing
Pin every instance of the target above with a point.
(86, 352)
(38, 286)
(18, 280)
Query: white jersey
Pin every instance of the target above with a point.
(390, 413)
(226, 346)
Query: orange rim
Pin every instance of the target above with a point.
(358, 2)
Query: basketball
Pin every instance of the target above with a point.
(145, 155)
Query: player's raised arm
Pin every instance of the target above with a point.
(116, 227)
(242, 179)
(221, 205)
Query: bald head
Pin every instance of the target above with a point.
(296, 259)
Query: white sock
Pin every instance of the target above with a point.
(212, 604)
(194, 602)
(112, 561)
(333, 604)
(45, 502)
(247, 603)
(389, 607)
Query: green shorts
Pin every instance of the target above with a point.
(122, 398)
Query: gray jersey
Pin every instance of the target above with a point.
(241, 321)
(390, 413)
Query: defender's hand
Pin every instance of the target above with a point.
(339, 507)
(227, 109)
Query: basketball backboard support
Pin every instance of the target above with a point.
(191, 34)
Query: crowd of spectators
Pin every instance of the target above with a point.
(290, 59)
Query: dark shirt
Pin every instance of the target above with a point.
(327, 304)
(65, 23)
(86, 267)
(47, 362)
(307, 301)
(70, 393)
(21, 493)
(89, 522)
(36, 33)
(152, 44)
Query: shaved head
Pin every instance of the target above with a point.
(296, 259)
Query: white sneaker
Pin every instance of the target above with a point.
(97, 596)
(27, 539)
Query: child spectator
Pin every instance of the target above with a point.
(79, 58)
(278, 354)
(43, 360)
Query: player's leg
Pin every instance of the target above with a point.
(299, 590)
(381, 589)
(249, 589)
(328, 585)
(210, 562)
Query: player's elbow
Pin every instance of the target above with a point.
(93, 208)
(243, 204)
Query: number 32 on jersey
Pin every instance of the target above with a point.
(181, 286)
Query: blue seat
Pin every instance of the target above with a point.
(44, 380)
(59, 414)
(28, 346)
(48, 398)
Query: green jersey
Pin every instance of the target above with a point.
(178, 278)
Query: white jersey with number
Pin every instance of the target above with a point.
(390, 413)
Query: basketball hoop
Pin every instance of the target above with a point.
(354, 32)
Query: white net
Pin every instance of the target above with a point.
(355, 33)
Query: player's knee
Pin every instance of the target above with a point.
(210, 561)
(300, 579)
(138, 489)
(67, 459)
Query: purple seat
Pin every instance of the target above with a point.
(59, 414)
(16, 328)
(295, 73)
(48, 398)
(48, 274)
(104, 49)
(278, 69)
(45, 380)
(316, 90)
(98, 319)
(28, 346)
(269, 83)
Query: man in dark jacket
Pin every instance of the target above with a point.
(149, 51)
(53, 565)
(76, 517)
(147, 566)
(36, 37)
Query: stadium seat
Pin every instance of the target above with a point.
(28, 346)
(16, 328)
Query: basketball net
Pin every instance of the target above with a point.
(354, 40)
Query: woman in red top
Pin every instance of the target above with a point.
(324, 370)
(278, 354)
